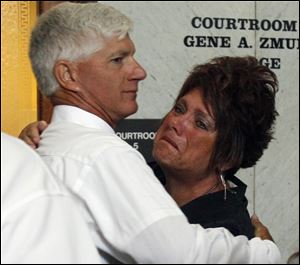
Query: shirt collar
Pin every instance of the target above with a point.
(65, 113)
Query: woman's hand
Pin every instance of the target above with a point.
(31, 133)
(259, 229)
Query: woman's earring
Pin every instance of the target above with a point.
(224, 184)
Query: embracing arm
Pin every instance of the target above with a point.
(260, 230)
(31, 133)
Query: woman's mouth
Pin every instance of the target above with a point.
(170, 141)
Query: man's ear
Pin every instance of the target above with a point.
(65, 74)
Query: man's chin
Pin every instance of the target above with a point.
(130, 110)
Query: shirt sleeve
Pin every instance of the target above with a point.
(173, 241)
(141, 223)
(47, 229)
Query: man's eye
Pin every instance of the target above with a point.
(117, 60)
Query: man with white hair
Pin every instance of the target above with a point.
(83, 59)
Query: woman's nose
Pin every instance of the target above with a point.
(179, 123)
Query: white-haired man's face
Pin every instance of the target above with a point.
(109, 79)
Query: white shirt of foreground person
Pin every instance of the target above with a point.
(131, 216)
(40, 222)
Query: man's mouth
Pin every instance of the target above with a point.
(131, 93)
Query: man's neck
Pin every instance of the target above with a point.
(75, 100)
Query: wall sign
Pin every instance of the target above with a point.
(140, 134)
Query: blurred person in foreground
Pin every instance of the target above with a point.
(40, 223)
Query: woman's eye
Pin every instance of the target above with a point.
(201, 125)
(178, 109)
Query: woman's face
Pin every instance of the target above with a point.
(186, 138)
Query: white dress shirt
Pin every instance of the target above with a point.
(130, 215)
(40, 223)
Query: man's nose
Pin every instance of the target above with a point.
(139, 72)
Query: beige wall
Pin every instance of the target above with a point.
(18, 86)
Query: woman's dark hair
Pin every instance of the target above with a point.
(241, 94)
